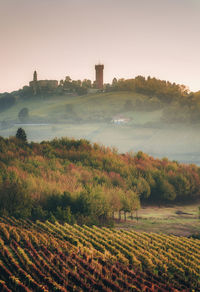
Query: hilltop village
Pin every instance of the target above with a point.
(116, 101)
(68, 85)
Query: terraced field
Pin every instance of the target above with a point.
(52, 257)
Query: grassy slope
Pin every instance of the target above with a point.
(177, 220)
(92, 105)
(88, 109)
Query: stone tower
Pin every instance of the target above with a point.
(35, 76)
(99, 76)
(34, 83)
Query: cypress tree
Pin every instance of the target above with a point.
(21, 134)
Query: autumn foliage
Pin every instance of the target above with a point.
(76, 181)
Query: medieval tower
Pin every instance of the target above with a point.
(34, 83)
(39, 86)
(99, 76)
(35, 76)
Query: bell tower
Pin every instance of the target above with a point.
(35, 83)
(35, 76)
(99, 76)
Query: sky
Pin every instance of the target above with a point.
(157, 38)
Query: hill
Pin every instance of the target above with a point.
(53, 257)
(163, 122)
(99, 107)
(74, 180)
(137, 94)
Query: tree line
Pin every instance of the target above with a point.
(164, 90)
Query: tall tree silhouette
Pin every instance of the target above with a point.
(21, 134)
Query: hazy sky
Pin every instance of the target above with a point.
(159, 38)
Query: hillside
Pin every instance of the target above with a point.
(91, 107)
(90, 117)
(53, 257)
(77, 100)
(67, 179)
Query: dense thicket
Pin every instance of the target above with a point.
(72, 180)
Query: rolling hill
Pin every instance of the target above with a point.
(91, 117)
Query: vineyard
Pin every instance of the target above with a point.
(44, 257)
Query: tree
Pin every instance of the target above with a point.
(21, 134)
(81, 90)
(163, 190)
(15, 200)
(126, 204)
(6, 101)
(26, 91)
(61, 82)
(142, 188)
(130, 202)
(181, 185)
(114, 82)
(87, 83)
(134, 202)
(64, 214)
(115, 203)
(23, 114)
(68, 79)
